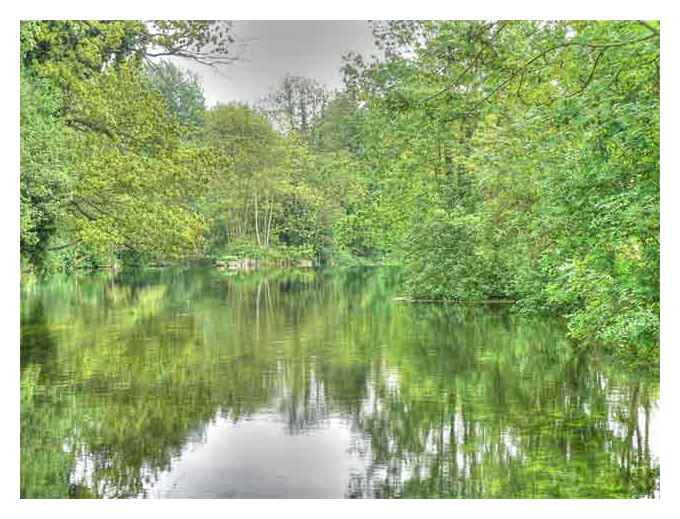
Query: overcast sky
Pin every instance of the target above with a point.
(268, 50)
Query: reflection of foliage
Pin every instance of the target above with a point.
(118, 373)
(524, 420)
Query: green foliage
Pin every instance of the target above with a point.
(521, 160)
(106, 172)
(45, 154)
(273, 192)
(136, 180)
(493, 159)
(182, 92)
(339, 127)
(71, 50)
(451, 260)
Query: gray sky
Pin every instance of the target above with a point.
(270, 49)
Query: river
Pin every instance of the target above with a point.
(200, 383)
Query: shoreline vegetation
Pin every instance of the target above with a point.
(505, 161)
(403, 299)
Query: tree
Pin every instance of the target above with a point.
(338, 127)
(135, 181)
(86, 47)
(296, 104)
(182, 92)
(503, 155)
(242, 199)
(45, 155)
(104, 162)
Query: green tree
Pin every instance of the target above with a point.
(296, 104)
(182, 92)
(105, 169)
(504, 154)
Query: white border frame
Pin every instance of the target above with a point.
(11, 506)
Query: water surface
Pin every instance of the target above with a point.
(200, 383)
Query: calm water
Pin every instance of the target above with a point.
(200, 383)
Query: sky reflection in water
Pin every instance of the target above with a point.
(199, 383)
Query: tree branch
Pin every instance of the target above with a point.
(521, 71)
(65, 246)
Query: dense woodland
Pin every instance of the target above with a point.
(489, 160)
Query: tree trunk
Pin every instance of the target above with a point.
(268, 233)
(257, 227)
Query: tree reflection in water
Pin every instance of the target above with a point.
(120, 374)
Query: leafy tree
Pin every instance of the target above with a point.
(516, 142)
(136, 182)
(339, 127)
(81, 48)
(105, 170)
(182, 92)
(242, 198)
(296, 104)
(45, 155)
